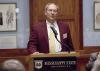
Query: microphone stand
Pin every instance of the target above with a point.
(55, 33)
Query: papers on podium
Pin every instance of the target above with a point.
(61, 54)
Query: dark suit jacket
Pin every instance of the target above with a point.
(91, 61)
(39, 38)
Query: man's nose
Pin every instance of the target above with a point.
(52, 12)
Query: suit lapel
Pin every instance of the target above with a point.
(60, 30)
(44, 30)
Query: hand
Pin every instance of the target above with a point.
(36, 53)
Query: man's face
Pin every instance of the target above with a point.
(51, 12)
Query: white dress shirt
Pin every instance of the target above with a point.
(57, 44)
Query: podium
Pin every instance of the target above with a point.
(62, 61)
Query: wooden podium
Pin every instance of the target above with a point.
(62, 61)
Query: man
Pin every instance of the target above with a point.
(40, 39)
(91, 65)
(96, 64)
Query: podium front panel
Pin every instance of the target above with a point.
(68, 63)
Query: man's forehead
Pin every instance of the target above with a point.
(52, 6)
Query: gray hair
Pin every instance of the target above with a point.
(12, 65)
(46, 6)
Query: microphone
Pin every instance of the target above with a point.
(55, 33)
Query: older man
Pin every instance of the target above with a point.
(50, 36)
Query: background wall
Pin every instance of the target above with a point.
(91, 37)
(22, 33)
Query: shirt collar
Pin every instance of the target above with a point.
(49, 24)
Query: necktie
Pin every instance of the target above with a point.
(52, 42)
